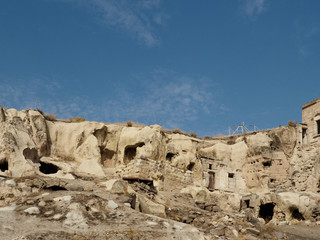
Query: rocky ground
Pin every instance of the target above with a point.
(41, 207)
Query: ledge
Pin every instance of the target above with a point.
(308, 104)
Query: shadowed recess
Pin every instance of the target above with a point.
(266, 211)
(4, 165)
(48, 168)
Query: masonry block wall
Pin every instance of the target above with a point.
(311, 120)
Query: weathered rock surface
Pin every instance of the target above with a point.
(111, 181)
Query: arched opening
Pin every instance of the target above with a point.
(48, 168)
(266, 211)
(4, 165)
(295, 214)
(107, 157)
(101, 135)
(31, 154)
(170, 156)
(267, 163)
(130, 152)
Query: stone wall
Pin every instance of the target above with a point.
(311, 120)
(164, 176)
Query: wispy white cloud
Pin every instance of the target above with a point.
(167, 98)
(162, 97)
(303, 51)
(42, 93)
(149, 4)
(307, 38)
(312, 32)
(138, 18)
(254, 7)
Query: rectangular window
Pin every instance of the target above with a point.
(210, 166)
(247, 202)
(318, 125)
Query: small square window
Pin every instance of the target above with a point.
(231, 175)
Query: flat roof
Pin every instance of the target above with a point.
(308, 104)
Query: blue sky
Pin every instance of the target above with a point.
(200, 66)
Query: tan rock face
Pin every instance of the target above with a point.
(284, 138)
(256, 162)
(181, 151)
(18, 150)
(268, 176)
(146, 142)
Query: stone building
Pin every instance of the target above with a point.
(310, 126)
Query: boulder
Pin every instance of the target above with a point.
(199, 194)
(32, 210)
(112, 204)
(117, 186)
(150, 207)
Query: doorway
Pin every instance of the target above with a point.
(211, 181)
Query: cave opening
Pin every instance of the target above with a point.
(266, 211)
(107, 157)
(190, 166)
(31, 154)
(130, 152)
(48, 168)
(230, 175)
(295, 214)
(101, 134)
(4, 166)
(267, 164)
(56, 188)
(169, 156)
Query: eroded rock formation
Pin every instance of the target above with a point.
(270, 176)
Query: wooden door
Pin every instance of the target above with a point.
(211, 180)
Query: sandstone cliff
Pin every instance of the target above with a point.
(266, 174)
